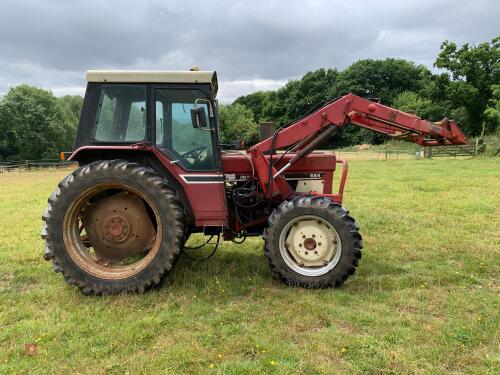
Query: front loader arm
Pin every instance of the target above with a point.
(305, 134)
(395, 123)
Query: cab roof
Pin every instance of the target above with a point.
(153, 76)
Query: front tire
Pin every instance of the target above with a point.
(312, 242)
(138, 241)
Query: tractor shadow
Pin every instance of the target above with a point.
(231, 266)
(240, 267)
(243, 267)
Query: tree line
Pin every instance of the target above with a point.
(467, 89)
(35, 124)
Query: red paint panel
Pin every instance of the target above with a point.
(207, 200)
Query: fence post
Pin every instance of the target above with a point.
(386, 152)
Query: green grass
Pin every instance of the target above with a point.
(425, 298)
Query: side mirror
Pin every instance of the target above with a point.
(198, 118)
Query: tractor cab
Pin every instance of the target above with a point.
(174, 111)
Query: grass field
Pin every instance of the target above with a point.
(425, 298)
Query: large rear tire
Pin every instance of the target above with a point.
(312, 242)
(96, 217)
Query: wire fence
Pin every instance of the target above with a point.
(475, 147)
(379, 154)
(22, 165)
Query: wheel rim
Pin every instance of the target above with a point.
(310, 245)
(119, 230)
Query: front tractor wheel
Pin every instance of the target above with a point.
(112, 227)
(312, 242)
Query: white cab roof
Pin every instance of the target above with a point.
(152, 76)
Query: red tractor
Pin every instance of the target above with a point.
(152, 171)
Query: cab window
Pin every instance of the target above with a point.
(192, 148)
(121, 114)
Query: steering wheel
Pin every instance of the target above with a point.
(195, 153)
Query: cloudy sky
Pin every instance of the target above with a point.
(253, 45)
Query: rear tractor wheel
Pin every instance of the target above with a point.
(312, 242)
(112, 227)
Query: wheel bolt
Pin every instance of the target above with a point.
(319, 243)
(313, 236)
(303, 236)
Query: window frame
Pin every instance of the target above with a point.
(213, 124)
(147, 133)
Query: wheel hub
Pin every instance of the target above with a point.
(311, 243)
(118, 227)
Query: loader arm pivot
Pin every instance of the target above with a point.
(304, 135)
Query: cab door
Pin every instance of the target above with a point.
(192, 153)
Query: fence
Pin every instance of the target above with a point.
(33, 164)
(379, 154)
(452, 151)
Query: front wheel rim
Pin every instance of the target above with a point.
(310, 245)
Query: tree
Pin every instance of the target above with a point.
(33, 125)
(256, 102)
(412, 103)
(237, 123)
(293, 100)
(492, 112)
(383, 79)
(475, 70)
(300, 96)
(71, 107)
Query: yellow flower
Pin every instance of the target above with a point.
(273, 363)
(211, 365)
(219, 355)
(264, 351)
(344, 349)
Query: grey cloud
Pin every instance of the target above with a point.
(52, 43)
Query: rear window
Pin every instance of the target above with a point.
(121, 114)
